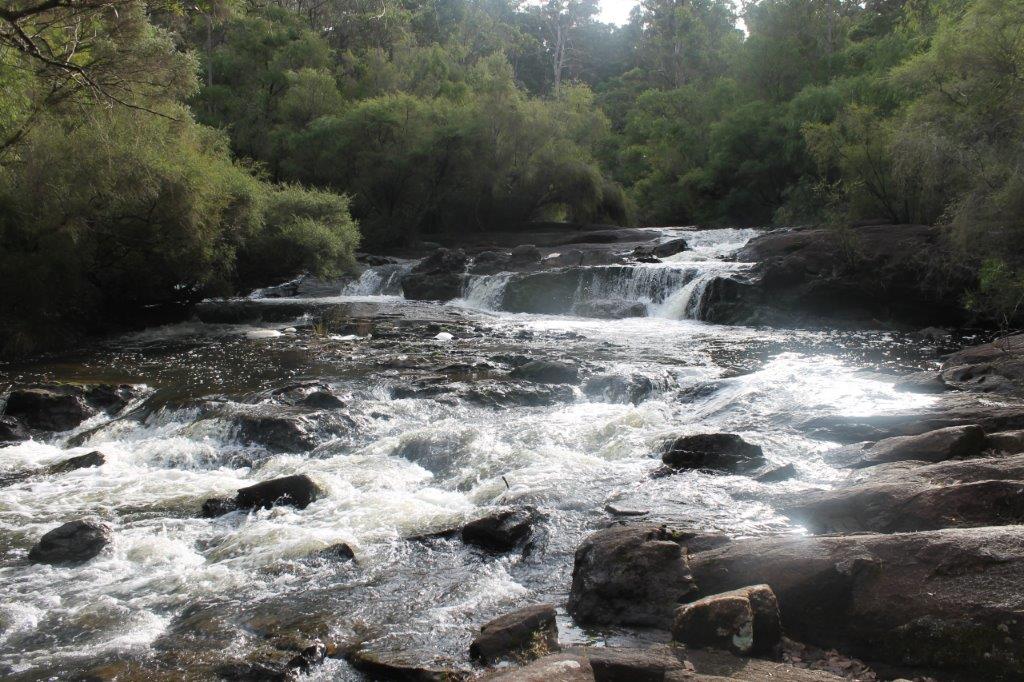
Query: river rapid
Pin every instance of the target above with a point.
(432, 434)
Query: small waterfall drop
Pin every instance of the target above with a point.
(484, 291)
(379, 280)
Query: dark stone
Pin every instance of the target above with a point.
(339, 552)
(92, 459)
(525, 254)
(619, 388)
(670, 248)
(297, 491)
(996, 367)
(547, 372)
(12, 430)
(724, 452)
(949, 599)
(744, 621)
(502, 531)
(629, 575)
(218, 506)
(490, 263)
(933, 446)
(782, 473)
(276, 431)
(609, 309)
(50, 408)
(437, 277)
(527, 632)
(73, 542)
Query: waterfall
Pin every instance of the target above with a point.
(647, 284)
(484, 291)
(380, 280)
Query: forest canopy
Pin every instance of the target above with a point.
(155, 153)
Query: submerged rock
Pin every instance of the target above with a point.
(782, 473)
(502, 531)
(933, 446)
(629, 575)
(547, 372)
(950, 599)
(619, 388)
(91, 459)
(744, 621)
(724, 452)
(528, 632)
(74, 542)
(296, 491)
(609, 309)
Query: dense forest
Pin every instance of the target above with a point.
(155, 153)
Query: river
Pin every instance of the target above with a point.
(432, 434)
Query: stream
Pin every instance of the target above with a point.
(430, 433)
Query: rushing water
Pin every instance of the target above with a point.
(401, 466)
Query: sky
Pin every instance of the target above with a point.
(616, 11)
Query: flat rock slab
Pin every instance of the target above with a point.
(932, 446)
(949, 599)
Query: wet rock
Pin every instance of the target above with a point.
(218, 506)
(619, 388)
(910, 496)
(629, 575)
(996, 367)
(547, 372)
(933, 446)
(490, 263)
(1008, 442)
(671, 247)
(609, 309)
(49, 408)
(502, 531)
(74, 542)
(339, 552)
(621, 664)
(12, 431)
(922, 382)
(275, 430)
(91, 459)
(395, 666)
(744, 621)
(724, 452)
(296, 491)
(620, 510)
(525, 255)
(950, 599)
(527, 632)
(437, 277)
(488, 393)
(782, 473)
(314, 395)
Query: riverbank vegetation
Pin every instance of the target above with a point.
(151, 154)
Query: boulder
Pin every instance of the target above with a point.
(74, 542)
(629, 575)
(296, 491)
(525, 255)
(502, 531)
(619, 388)
(341, 552)
(996, 367)
(12, 431)
(49, 408)
(490, 263)
(670, 247)
(547, 372)
(91, 459)
(911, 496)
(950, 599)
(725, 452)
(609, 309)
(782, 473)
(744, 621)
(1007, 442)
(527, 632)
(276, 430)
(438, 277)
(933, 446)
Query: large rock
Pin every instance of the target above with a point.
(934, 446)
(502, 531)
(866, 275)
(948, 599)
(12, 431)
(86, 461)
(73, 542)
(744, 621)
(296, 491)
(527, 632)
(277, 430)
(438, 277)
(670, 247)
(911, 496)
(59, 407)
(996, 367)
(547, 372)
(725, 452)
(629, 575)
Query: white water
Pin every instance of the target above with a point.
(380, 280)
(409, 466)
